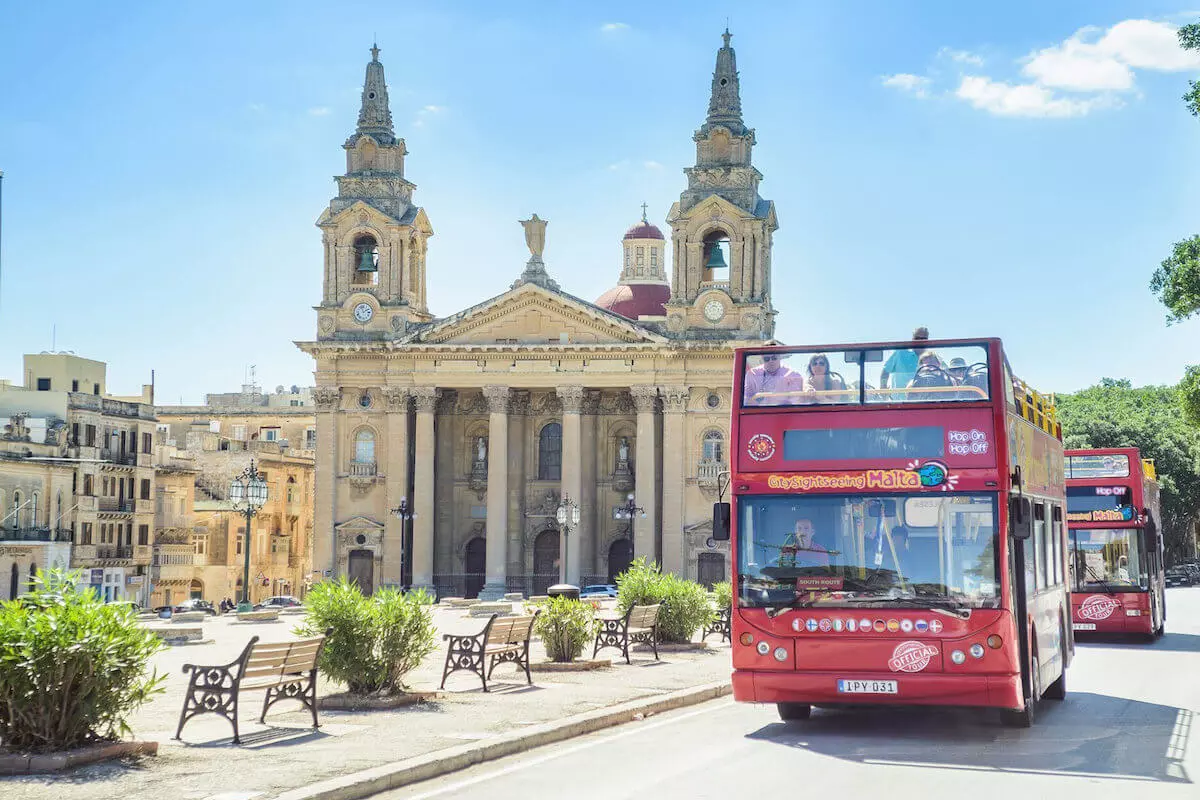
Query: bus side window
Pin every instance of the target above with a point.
(1057, 542)
(1042, 559)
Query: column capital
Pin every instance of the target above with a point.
(499, 398)
(327, 397)
(396, 398)
(591, 402)
(675, 398)
(426, 397)
(518, 404)
(644, 398)
(571, 397)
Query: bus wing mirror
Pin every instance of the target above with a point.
(1019, 521)
(720, 522)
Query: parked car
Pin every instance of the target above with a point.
(1177, 576)
(599, 590)
(278, 601)
(188, 605)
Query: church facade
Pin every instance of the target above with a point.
(449, 448)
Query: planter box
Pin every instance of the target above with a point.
(514, 597)
(22, 764)
(258, 616)
(458, 602)
(487, 609)
(188, 617)
(179, 633)
(345, 701)
(681, 647)
(583, 665)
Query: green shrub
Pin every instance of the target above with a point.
(72, 669)
(686, 607)
(723, 591)
(566, 626)
(374, 641)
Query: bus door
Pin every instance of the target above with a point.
(1021, 574)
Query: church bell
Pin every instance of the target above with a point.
(716, 259)
(366, 261)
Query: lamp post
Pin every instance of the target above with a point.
(406, 515)
(567, 516)
(630, 510)
(247, 494)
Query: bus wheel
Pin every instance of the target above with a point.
(794, 711)
(1023, 718)
(1058, 689)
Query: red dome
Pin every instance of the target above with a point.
(636, 299)
(644, 230)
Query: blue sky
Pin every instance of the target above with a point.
(1017, 170)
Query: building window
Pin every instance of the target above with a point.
(641, 256)
(550, 453)
(240, 537)
(143, 534)
(147, 442)
(713, 446)
(14, 513)
(88, 486)
(74, 386)
(364, 447)
(95, 388)
(85, 533)
(145, 489)
(654, 256)
(310, 439)
(239, 433)
(270, 434)
(200, 545)
(34, 502)
(89, 436)
(43, 384)
(291, 489)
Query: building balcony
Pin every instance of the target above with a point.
(115, 505)
(363, 469)
(709, 472)
(113, 555)
(118, 458)
(88, 502)
(143, 506)
(145, 459)
(11, 535)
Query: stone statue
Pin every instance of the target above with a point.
(481, 449)
(535, 234)
(623, 451)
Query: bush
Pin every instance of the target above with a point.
(374, 641)
(723, 592)
(72, 669)
(566, 626)
(686, 607)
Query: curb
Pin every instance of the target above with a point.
(441, 762)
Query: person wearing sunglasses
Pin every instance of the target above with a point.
(820, 381)
(772, 383)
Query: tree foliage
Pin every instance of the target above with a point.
(1189, 395)
(1189, 39)
(1151, 418)
(1177, 280)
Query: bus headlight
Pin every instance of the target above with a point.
(781, 654)
(958, 656)
(977, 650)
(995, 641)
(763, 648)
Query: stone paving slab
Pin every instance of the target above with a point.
(286, 753)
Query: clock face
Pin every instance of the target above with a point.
(363, 312)
(714, 310)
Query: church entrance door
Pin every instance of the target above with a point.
(474, 565)
(710, 569)
(545, 561)
(620, 556)
(362, 570)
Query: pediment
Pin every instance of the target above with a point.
(533, 315)
(359, 524)
(354, 212)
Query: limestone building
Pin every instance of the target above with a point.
(485, 421)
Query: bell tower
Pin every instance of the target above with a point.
(721, 228)
(373, 236)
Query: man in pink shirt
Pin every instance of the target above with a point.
(808, 552)
(769, 377)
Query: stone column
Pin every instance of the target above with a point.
(325, 479)
(572, 475)
(422, 555)
(675, 400)
(497, 493)
(396, 489)
(590, 508)
(645, 399)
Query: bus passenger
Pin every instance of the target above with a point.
(901, 366)
(770, 377)
(931, 374)
(808, 552)
(820, 379)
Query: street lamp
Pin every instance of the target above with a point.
(630, 510)
(567, 516)
(406, 515)
(247, 494)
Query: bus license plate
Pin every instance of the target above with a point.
(1083, 626)
(867, 687)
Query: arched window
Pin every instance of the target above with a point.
(58, 513)
(32, 576)
(291, 489)
(715, 266)
(364, 447)
(713, 446)
(366, 259)
(34, 502)
(14, 582)
(14, 511)
(550, 453)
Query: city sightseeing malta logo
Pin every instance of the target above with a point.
(760, 447)
(911, 656)
(1098, 607)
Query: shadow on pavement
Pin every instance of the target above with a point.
(1171, 642)
(1087, 734)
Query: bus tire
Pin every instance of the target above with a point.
(1023, 718)
(1058, 689)
(789, 712)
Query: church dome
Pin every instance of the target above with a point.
(644, 230)
(633, 300)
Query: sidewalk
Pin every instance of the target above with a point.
(287, 754)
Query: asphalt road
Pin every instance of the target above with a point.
(1126, 730)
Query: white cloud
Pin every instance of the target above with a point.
(961, 56)
(917, 85)
(426, 112)
(652, 165)
(1024, 100)
(613, 27)
(319, 111)
(1084, 63)
(617, 166)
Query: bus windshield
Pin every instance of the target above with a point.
(934, 550)
(861, 376)
(1106, 559)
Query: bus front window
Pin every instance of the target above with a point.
(850, 550)
(1106, 559)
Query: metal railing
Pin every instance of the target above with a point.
(363, 469)
(117, 457)
(451, 584)
(34, 535)
(114, 504)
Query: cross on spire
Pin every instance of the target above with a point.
(375, 51)
(644, 213)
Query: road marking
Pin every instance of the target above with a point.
(633, 730)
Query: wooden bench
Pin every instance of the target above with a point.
(720, 624)
(287, 670)
(640, 624)
(502, 639)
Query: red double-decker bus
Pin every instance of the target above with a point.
(1118, 578)
(897, 514)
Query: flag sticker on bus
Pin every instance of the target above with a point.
(911, 657)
